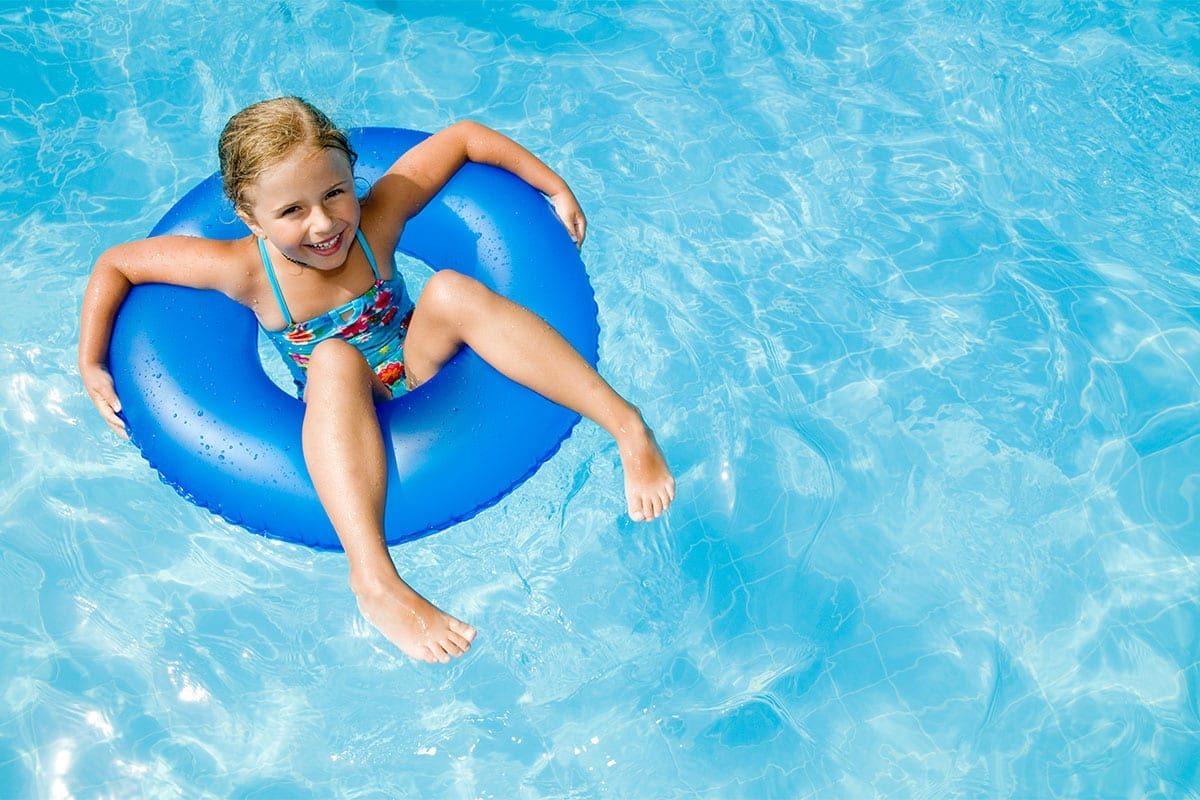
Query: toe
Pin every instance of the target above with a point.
(654, 505)
(463, 629)
(459, 642)
(438, 652)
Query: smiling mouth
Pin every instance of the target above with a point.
(328, 246)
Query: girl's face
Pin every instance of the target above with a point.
(305, 206)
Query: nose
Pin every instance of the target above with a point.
(320, 219)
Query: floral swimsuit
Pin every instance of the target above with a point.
(375, 322)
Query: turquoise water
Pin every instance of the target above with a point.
(910, 291)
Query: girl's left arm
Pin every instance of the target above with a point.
(420, 173)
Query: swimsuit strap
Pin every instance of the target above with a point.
(358, 234)
(266, 260)
(262, 251)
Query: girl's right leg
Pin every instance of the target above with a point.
(343, 448)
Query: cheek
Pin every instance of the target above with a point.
(349, 207)
(282, 233)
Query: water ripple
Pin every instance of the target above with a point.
(910, 293)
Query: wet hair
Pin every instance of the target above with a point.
(260, 135)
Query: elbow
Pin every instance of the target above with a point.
(470, 134)
(106, 264)
(468, 127)
(111, 266)
(108, 284)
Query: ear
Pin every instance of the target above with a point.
(251, 223)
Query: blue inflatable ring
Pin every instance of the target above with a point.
(198, 404)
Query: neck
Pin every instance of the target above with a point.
(297, 261)
(294, 261)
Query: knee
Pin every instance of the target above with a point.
(336, 358)
(450, 291)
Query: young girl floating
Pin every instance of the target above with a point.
(314, 251)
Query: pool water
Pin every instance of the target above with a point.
(910, 292)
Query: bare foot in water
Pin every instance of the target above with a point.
(420, 629)
(649, 485)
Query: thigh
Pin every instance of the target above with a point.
(436, 331)
(339, 366)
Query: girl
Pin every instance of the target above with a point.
(315, 249)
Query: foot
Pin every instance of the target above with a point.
(420, 629)
(649, 485)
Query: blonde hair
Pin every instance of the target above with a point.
(260, 135)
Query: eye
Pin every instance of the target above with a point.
(336, 192)
(289, 210)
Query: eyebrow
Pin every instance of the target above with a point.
(290, 203)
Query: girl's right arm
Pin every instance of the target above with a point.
(179, 260)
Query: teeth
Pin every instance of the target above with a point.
(327, 245)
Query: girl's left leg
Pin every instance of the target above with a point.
(454, 310)
(343, 448)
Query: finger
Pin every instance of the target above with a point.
(112, 420)
(118, 429)
(105, 395)
(578, 229)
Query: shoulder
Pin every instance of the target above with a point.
(382, 236)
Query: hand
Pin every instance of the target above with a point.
(99, 386)
(568, 211)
